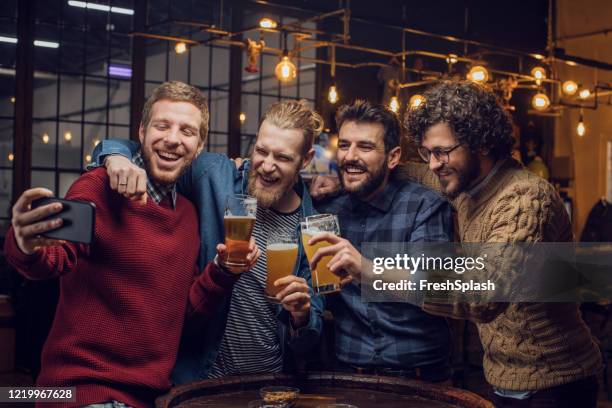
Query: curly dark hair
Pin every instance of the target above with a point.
(362, 111)
(473, 113)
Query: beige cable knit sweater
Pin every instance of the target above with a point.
(527, 346)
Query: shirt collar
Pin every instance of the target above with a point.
(382, 201)
(155, 190)
(483, 183)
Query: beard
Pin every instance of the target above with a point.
(465, 176)
(267, 198)
(163, 178)
(373, 180)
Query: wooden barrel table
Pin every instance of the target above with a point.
(316, 389)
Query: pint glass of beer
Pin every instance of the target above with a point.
(323, 280)
(281, 254)
(239, 220)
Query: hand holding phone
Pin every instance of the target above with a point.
(41, 220)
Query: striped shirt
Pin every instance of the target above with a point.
(250, 344)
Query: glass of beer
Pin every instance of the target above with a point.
(281, 254)
(323, 280)
(239, 220)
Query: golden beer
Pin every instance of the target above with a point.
(281, 261)
(238, 230)
(323, 279)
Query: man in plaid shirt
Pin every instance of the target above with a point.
(381, 338)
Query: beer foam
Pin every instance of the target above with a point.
(312, 232)
(281, 246)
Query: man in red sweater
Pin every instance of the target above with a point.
(124, 297)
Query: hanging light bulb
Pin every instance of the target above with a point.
(569, 88)
(285, 70)
(267, 23)
(11, 157)
(45, 138)
(180, 47)
(95, 142)
(332, 95)
(584, 93)
(68, 136)
(539, 74)
(13, 99)
(416, 101)
(452, 59)
(88, 158)
(478, 74)
(580, 128)
(242, 117)
(394, 104)
(540, 101)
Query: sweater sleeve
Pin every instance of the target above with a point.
(207, 292)
(522, 214)
(54, 261)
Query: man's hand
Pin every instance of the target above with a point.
(126, 178)
(251, 258)
(27, 222)
(346, 260)
(295, 298)
(322, 186)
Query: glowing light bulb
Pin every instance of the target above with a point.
(569, 88)
(580, 129)
(332, 95)
(95, 142)
(452, 59)
(68, 136)
(45, 138)
(88, 158)
(13, 99)
(267, 23)
(540, 102)
(242, 117)
(538, 73)
(416, 101)
(478, 74)
(11, 157)
(585, 93)
(285, 70)
(180, 47)
(394, 104)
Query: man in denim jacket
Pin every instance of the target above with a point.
(248, 335)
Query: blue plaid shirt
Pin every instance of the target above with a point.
(395, 335)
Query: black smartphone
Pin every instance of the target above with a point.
(78, 219)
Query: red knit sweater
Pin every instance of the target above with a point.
(123, 298)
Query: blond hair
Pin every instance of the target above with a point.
(177, 91)
(296, 115)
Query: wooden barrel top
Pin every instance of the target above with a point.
(362, 391)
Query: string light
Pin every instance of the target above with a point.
(585, 93)
(540, 102)
(45, 138)
(180, 47)
(268, 23)
(478, 74)
(569, 88)
(332, 95)
(539, 74)
(285, 70)
(452, 59)
(416, 101)
(580, 128)
(394, 104)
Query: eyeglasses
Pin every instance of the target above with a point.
(441, 155)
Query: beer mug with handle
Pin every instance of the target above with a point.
(281, 254)
(323, 280)
(239, 220)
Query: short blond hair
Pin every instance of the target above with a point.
(295, 115)
(177, 91)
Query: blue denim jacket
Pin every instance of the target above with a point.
(207, 183)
